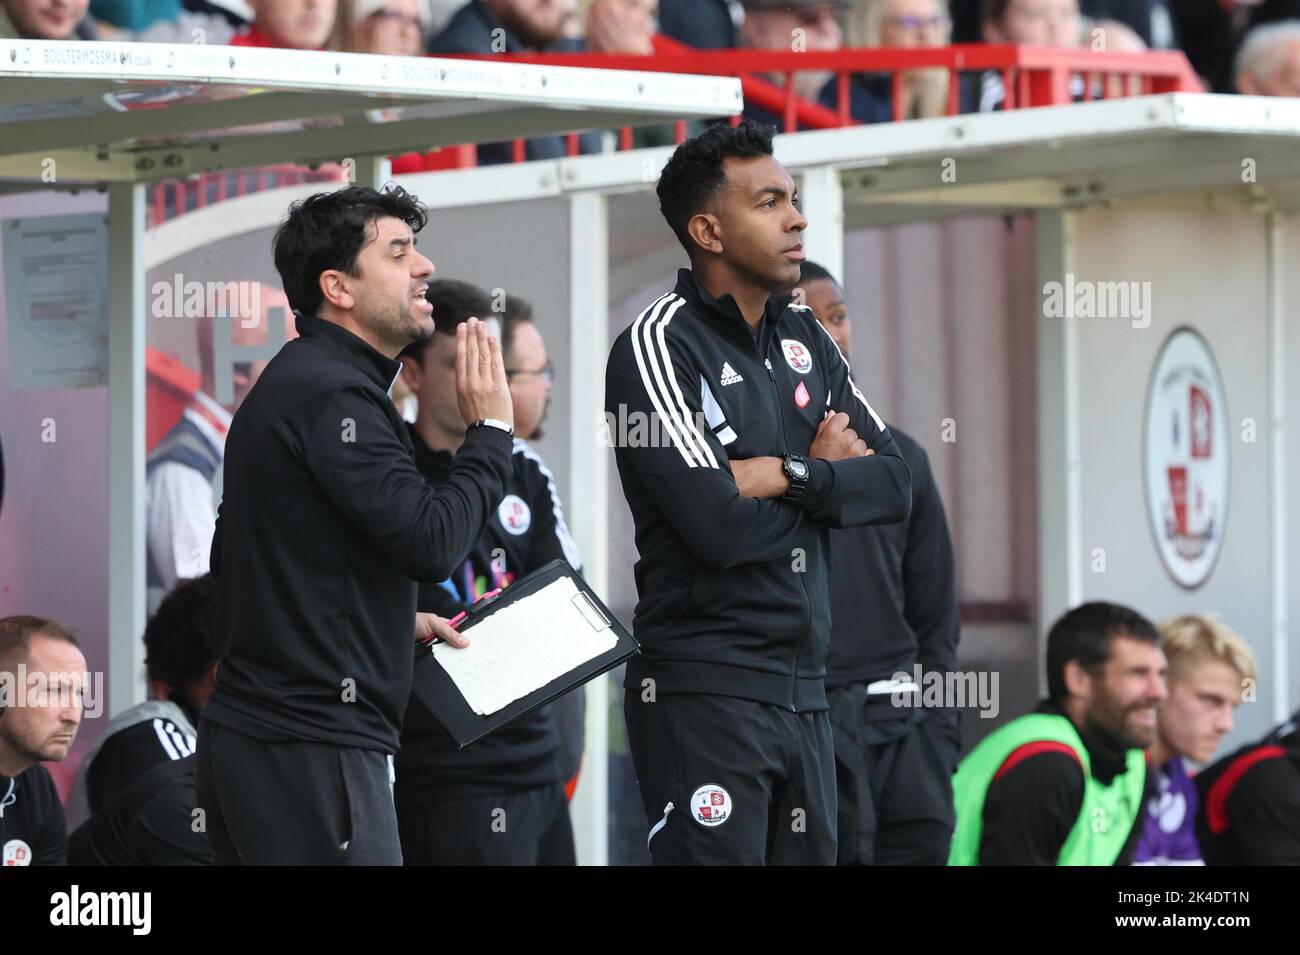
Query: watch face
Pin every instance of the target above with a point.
(799, 469)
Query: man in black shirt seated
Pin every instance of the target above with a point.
(1066, 784)
(153, 821)
(181, 655)
(42, 681)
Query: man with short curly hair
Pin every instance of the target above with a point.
(325, 526)
(740, 439)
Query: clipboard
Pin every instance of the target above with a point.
(434, 687)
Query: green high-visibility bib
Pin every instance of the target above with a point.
(1107, 814)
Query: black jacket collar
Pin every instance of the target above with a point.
(689, 288)
(380, 369)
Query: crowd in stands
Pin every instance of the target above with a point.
(1247, 46)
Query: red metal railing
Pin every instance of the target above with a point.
(175, 197)
(1031, 76)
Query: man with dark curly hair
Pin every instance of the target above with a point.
(325, 526)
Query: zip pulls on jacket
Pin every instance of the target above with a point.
(803, 586)
(770, 324)
(774, 390)
(762, 339)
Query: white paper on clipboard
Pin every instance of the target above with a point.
(524, 646)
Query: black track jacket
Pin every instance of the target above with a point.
(735, 591)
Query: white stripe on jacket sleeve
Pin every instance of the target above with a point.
(647, 381)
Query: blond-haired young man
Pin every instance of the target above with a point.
(1209, 665)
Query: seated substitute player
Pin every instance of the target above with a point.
(1250, 802)
(153, 821)
(1209, 665)
(42, 678)
(181, 652)
(1065, 784)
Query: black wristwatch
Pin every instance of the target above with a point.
(797, 471)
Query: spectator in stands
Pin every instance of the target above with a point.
(706, 24)
(1268, 63)
(1037, 22)
(807, 25)
(1207, 31)
(794, 25)
(1210, 32)
(45, 20)
(1112, 36)
(627, 27)
(382, 27)
(1150, 19)
(514, 26)
(213, 26)
(1209, 666)
(1065, 784)
(441, 12)
(237, 13)
(1259, 12)
(1040, 22)
(900, 24)
(127, 17)
(183, 466)
(1250, 802)
(42, 679)
(505, 26)
(621, 26)
(289, 24)
(181, 656)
